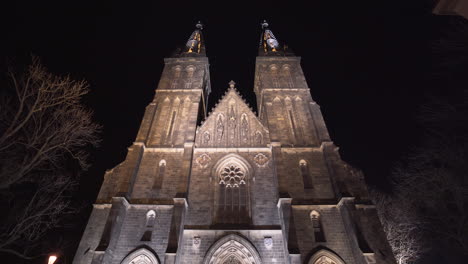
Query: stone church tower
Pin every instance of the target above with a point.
(232, 187)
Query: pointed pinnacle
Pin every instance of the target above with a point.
(232, 84)
(264, 24)
(199, 25)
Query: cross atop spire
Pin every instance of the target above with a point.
(199, 25)
(269, 45)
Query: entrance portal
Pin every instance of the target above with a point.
(232, 249)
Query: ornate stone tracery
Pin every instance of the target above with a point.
(232, 123)
(203, 160)
(220, 127)
(232, 249)
(261, 160)
(232, 199)
(244, 127)
(232, 176)
(325, 257)
(141, 256)
(206, 137)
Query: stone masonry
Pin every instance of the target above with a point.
(233, 187)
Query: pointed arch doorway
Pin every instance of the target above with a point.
(232, 249)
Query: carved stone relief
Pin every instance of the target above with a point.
(261, 160)
(234, 251)
(231, 124)
(232, 176)
(244, 128)
(268, 242)
(203, 160)
(324, 260)
(206, 137)
(219, 128)
(258, 138)
(196, 241)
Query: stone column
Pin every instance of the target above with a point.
(175, 233)
(289, 229)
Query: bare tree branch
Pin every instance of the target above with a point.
(44, 135)
(430, 196)
(401, 226)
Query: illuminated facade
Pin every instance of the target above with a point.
(238, 188)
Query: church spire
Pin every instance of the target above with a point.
(269, 45)
(195, 45)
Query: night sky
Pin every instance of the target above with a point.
(367, 65)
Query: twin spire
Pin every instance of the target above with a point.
(269, 45)
(195, 45)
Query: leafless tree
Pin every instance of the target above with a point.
(434, 180)
(430, 196)
(45, 133)
(401, 226)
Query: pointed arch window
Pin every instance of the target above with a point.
(141, 256)
(304, 168)
(233, 202)
(176, 76)
(160, 177)
(150, 218)
(324, 256)
(232, 249)
(287, 75)
(150, 222)
(274, 76)
(316, 220)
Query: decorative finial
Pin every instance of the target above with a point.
(199, 25)
(264, 24)
(232, 84)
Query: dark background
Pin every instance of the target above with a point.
(367, 63)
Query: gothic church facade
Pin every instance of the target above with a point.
(233, 187)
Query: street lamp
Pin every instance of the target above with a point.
(52, 259)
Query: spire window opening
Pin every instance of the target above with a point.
(317, 226)
(160, 177)
(171, 125)
(150, 223)
(150, 218)
(306, 180)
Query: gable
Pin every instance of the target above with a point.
(232, 124)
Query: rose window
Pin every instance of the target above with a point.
(232, 176)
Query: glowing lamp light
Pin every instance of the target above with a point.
(52, 259)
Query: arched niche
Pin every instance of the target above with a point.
(140, 256)
(232, 249)
(324, 256)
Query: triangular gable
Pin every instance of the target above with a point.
(232, 124)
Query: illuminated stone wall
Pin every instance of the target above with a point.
(240, 187)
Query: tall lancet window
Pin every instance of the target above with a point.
(158, 180)
(176, 76)
(287, 75)
(150, 218)
(233, 202)
(316, 220)
(189, 80)
(274, 75)
(304, 168)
